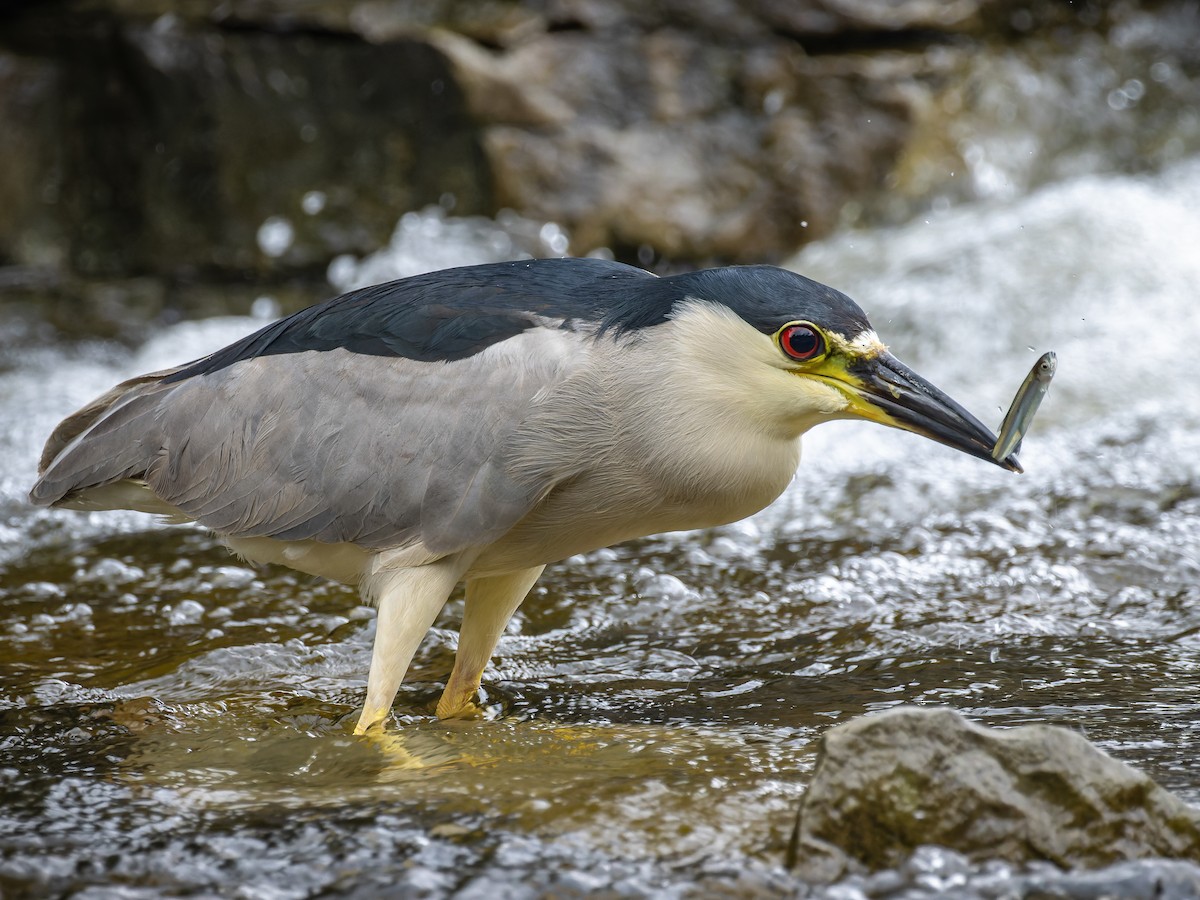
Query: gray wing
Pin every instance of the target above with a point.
(328, 445)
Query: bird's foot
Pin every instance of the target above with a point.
(459, 703)
(369, 723)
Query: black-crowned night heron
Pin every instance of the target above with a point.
(478, 423)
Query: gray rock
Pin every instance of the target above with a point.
(698, 150)
(889, 783)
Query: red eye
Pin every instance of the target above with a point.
(801, 342)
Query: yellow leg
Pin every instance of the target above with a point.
(490, 603)
(409, 600)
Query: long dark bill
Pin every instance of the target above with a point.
(910, 402)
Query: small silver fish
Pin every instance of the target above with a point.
(1024, 405)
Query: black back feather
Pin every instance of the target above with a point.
(456, 313)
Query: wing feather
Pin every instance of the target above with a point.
(331, 445)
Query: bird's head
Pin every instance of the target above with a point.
(823, 358)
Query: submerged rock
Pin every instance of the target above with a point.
(887, 784)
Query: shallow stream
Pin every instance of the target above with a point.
(173, 722)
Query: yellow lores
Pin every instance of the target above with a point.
(880, 388)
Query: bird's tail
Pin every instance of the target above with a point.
(96, 457)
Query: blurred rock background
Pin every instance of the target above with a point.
(161, 159)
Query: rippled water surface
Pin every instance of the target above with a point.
(172, 721)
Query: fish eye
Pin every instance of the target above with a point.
(801, 341)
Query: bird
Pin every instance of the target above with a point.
(476, 424)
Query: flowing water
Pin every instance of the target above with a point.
(174, 722)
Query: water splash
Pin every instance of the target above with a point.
(656, 701)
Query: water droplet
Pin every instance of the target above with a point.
(554, 238)
(275, 236)
(313, 202)
(265, 307)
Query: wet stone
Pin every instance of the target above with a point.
(886, 785)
